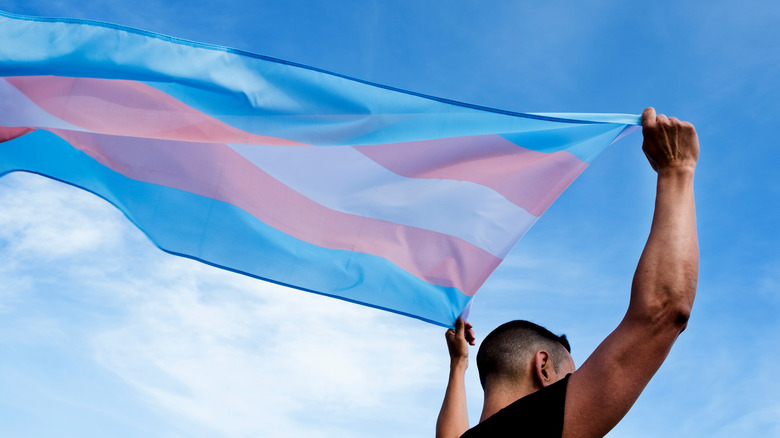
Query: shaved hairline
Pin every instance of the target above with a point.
(507, 350)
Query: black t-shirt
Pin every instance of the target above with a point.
(537, 415)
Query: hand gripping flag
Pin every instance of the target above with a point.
(284, 172)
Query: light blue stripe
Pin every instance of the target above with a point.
(225, 236)
(586, 142)
(258, 94)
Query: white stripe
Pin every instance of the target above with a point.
(343, 179)
(16, 109)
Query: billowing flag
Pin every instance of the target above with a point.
(284, 172)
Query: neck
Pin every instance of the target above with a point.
(501, 394)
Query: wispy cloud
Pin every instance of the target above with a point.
(44, 233)
(251, 358)
(214, 353)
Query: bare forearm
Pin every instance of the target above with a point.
(453, 418)
(665, 280)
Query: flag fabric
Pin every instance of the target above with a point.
(284, 172)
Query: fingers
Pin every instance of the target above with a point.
(466, 330)
(470, 336)
(668, 142)
(462, 330)
(651, 120)
(469, 333)
(648, 117)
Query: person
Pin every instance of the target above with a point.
(531, 385)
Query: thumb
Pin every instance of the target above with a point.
(648, 117)
(460, 327)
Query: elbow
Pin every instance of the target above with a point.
(664, 317)
(664, 307)
(679, 308)
(680, 318)
(673, 317)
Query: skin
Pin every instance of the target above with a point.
(604, 388)
(541, 371)
(453, 418)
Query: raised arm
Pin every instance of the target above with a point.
(602, 391)
(453, 418)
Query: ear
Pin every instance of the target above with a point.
(544, 371)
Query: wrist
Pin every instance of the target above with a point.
(676, 171)
(675, 178)
(460, 362)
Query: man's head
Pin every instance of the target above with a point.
(513, 349)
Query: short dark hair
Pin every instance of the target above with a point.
(505, 352)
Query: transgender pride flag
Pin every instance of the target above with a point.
(287, 173)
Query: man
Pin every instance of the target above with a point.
(529, 378)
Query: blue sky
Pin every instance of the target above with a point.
(102, 334)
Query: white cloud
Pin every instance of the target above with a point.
(33, 226)
(251, 358)
(213, 352)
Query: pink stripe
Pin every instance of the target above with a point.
(7, 133)
(120, 107)
(217, 171)
(530, 179)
